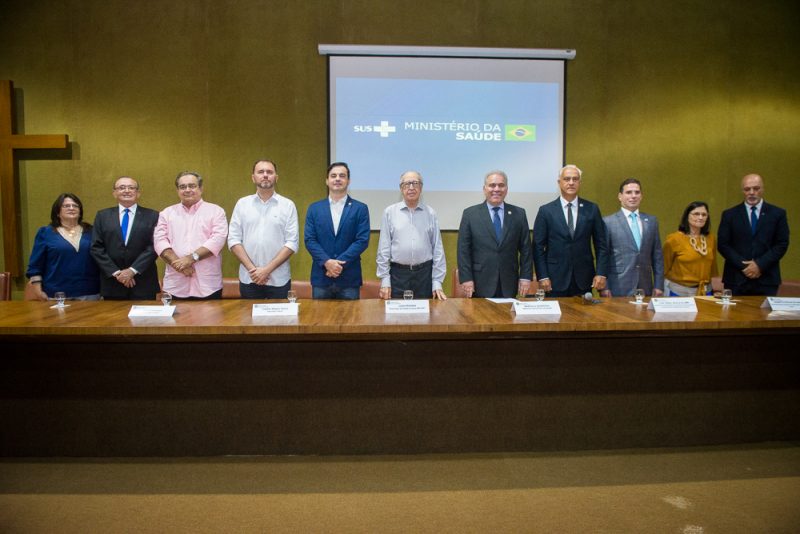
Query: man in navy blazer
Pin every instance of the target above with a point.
(634, 246)
(127, 262)
(563, 234)
(494, 244)
(336, 234)
(753, 237)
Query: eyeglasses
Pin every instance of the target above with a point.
(414, 183)
(70, 206)
(184, 187)
(127, 188)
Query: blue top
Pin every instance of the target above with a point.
(346, 245)
(61, 267)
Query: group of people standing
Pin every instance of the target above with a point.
(574, 249)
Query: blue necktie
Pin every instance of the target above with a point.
(125, 224)
(637, 236)
(498, 227)
(753, 219)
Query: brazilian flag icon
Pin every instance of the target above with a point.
(520, 132)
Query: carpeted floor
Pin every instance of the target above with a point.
(753, 488)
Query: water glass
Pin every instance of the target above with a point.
(408, 294)
(638, 294)
(61, 298)
(726, 296)
(166, 298)
(539, 295)
(292, 296)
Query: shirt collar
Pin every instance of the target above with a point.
(758, 206)
(628, 212)
(564, 202)
(339, 202)
(122, 208)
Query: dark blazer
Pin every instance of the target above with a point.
(346, 245)
(481, 259)
(558, 256)
(112, 255)
(736, 243)
(632, 267)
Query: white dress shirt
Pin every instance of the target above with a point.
(410, 237)
(263, 229)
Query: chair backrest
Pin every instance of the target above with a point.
(371, 289)
(230, 288)
(302, 288)
(5, 286)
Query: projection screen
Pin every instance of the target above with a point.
(452, 119)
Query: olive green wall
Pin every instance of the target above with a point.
(688, 96)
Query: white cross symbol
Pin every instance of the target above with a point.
(384, 129)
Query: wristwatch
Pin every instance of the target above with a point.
(195, 256)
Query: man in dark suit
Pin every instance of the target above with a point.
(336, 234)
(494, 244)
(563, 234)
(122, 246)
(634, 246)
(753, 237)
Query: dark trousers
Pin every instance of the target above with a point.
(255, 291)
(755, 288)
(216, 295)
(417, 278)
(571, 291)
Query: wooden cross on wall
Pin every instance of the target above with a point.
(8, 175)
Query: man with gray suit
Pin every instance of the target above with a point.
(634, 246)
(494, 244)
(563, 234)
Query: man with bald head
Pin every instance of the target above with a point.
(494, 244)
(122, 245)
(753, 237)
(410, 253)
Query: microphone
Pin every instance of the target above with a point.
(589, 299)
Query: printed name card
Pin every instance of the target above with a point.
(537, 307)
(407, 306)
(151, 311)
(673, 304)
(285, 309)
(782, 304)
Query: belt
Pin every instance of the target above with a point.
(416, 267)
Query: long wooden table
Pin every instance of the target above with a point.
(345, 378)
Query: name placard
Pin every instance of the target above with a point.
(151, 311)
(539, 307)
(782, 304)
(407, 306)
(673, 304)
(285, 309)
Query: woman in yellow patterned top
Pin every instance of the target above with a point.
(690, 254)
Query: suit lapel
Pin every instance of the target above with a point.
(348, 203)
(488, 225)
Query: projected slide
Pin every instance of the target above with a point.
(450, 129)
(451, 119)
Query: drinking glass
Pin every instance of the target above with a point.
(292, 296)
(408, 294)
(539, 294)
(61, 298)
(638, 294)
(726, 296)
(166, 298)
